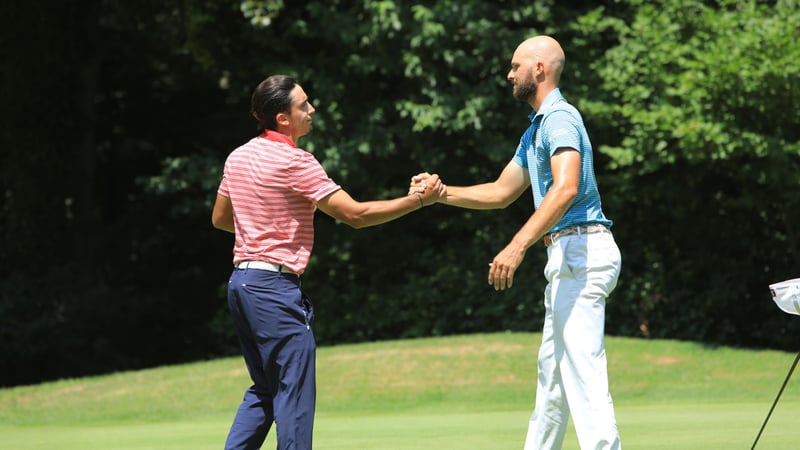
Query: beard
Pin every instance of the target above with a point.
(523, 90)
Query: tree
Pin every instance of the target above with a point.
(700, 106)
(119, 117)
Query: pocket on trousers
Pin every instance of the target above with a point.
(602, 251)
(604, 261)
(308, 309)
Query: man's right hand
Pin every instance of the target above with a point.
(429, 187)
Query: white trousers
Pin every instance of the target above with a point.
(573, 376)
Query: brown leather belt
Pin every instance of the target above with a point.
(571, 231)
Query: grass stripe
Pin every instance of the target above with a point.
(465, 392)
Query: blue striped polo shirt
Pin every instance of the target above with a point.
(557, 124)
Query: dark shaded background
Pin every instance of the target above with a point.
(117, 118)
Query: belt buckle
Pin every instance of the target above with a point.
(550, 238)
(568, 231)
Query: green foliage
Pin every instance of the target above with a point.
(416, 98)
(120, 115)
(261, 12)
(701, 84)
(701, 105)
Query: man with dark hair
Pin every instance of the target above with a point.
(554, 159)
(269, 192)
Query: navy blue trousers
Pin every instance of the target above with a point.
(273, 319)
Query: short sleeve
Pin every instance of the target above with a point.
(561, 130)
(521, 155)
(307, 177)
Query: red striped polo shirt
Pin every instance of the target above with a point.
(274, 187)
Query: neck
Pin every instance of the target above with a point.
(541, 93)
(288, 132)
(279, 136)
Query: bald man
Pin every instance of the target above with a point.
(554, 159)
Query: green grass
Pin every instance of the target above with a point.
(466, 393)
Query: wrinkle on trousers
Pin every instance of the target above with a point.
(273, 319)
(572, 370)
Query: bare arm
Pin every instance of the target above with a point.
(342, 207)
(498, 194)
(222, 214)
(566, 164)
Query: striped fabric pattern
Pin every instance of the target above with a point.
(274, 187)
(558, 125)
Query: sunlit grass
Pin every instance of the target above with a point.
(465, 392)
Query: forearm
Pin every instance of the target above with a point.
(497, 194)
(554, 205)
(371, 213)
(481, 196)
(344, 208)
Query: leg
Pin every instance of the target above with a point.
(591, 268)
(291, 407)
(252, 422)
(548, 424)
(273, 320)
(254, 417)
(295, 400)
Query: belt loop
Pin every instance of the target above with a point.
(579, 230)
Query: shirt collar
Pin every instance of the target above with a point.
(278, 137)
(552, 98)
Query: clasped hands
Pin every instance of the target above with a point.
(428, 188)
(503, 266)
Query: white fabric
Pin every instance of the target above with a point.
(262, 265)
(573, 375)
(786, 295)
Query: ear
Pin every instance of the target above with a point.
(282, 119)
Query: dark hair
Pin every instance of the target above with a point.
(272, 96)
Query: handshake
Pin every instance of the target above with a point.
(428, 188)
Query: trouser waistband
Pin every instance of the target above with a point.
(571, 231)
(261, 265)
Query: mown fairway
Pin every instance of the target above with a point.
(462, 393)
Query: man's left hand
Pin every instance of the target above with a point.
(503, 266)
